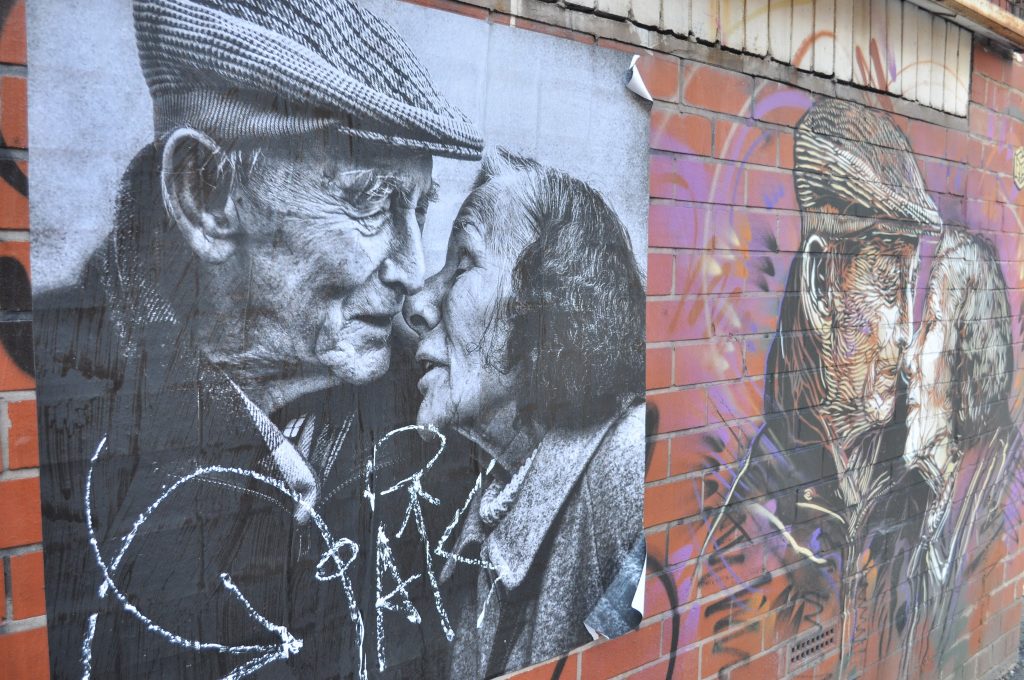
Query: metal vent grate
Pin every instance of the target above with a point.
(810, 648)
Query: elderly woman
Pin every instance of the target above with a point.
(532, 342)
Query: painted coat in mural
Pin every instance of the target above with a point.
(880, 480)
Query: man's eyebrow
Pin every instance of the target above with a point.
(432, 194)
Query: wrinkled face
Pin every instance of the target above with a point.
(865, 327)
(930, 447)
(457, 316)
(331, 247)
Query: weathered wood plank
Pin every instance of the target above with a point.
(803, 34)
(731, 14)
(894, 54)
(824, 37)
(704, 20)
(780, 29)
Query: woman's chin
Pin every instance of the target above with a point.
(430, 415)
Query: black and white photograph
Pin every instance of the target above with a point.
(338, 329)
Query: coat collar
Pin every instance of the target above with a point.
(558, 463)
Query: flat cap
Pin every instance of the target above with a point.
(265, 67)
(855, 172)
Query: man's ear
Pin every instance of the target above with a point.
(196, 188)
(815, 291)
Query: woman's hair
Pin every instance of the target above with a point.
(576, 304)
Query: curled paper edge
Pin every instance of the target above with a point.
(635, 82)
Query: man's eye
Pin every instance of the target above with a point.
(464, 263)
(373, 223)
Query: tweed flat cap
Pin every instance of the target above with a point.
(264, 67)
(854, 172)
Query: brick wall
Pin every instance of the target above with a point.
(23, 612)
(724, 229)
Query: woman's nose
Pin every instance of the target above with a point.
(420, 310)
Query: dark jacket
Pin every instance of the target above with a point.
(208, 571)
(564, 561)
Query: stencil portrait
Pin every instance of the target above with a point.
(343, 373)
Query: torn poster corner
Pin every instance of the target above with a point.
(635, 82)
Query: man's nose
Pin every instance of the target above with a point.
(421, 310)
(404, 267)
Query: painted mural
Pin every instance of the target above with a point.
(878, 487)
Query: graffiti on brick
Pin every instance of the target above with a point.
(879, 487)
(353, 384)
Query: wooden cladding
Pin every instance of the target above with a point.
(887, 45)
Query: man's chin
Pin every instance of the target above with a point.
(357, 368)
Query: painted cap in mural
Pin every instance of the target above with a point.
(855, 172)
(265, 67)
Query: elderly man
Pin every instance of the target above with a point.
(203, 493)
(832, 392)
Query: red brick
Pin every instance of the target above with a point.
(708, 361)
(756, 354)
(956, 146)
(685, 540)
(717, 89)
(657, 460)
(13, 204)
(711, 448)
(20, 508)
(546, 671)
(661, 76)
(14, 111)
(22, 437)
(12, 377)
(680, 132)
(657, 542)
(27, 593)
(733, 400)
(745, 143)
(679, 410)
(927, 139)
(781, 104)
(997, 97)
(725, 569)
(664, 178)
(766, 666)
(12, 35)
(746, 315)
(25, 655)
(673, 586)
(786, 159)
(676, 225)
(659, 368)
(979, 89)
(770, 189)
(676, 320)
(989, 64)
(672, 500)
(617, 656)
(659, 273)
(683, 665)
(730, 649)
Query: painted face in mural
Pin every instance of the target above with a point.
(859, 299)
(462, 338)
(321, 244)
(959, 366)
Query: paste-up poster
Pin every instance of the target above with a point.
(339, 339)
